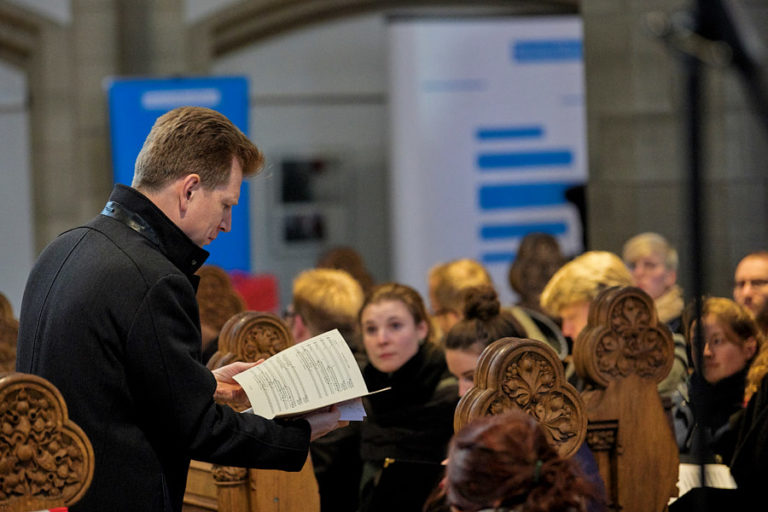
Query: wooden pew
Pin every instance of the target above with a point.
(624, 352)
(46, 461)
(250, 336)
(526, 374)
(9, 331)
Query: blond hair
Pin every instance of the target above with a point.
(196, 140)
(327, 299)
(582, 279)
(645, 244)
(447, 282)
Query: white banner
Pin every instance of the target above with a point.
(488, 135)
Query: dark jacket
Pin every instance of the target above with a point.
(411, 424)
(703, 426)
(750, 460)
(109, 316)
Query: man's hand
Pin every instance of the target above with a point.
(227, 390)
(324, 421)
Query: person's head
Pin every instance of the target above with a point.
(348, 259)
(653, 263)
(447, 281)
(217, 301)
(750, 287)
(572, 288)
(325, 299)
(191, 166)
(483, 323)
(731, 338)
(505, 461)
(394, 323)
(537, 259)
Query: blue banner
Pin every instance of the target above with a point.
(135, 104)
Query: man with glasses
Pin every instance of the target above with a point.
(750, 288)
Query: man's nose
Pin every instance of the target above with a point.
(226, 223)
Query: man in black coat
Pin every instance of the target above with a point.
(109, 316)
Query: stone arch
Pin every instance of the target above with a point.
(249, 22)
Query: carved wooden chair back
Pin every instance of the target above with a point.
(250, 336)
(526, 374)
(46, 461)
(623, 353)
(9, 331)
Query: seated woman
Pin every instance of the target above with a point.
(717, 389)
(485, 322)
(505, 464)
(404, 437)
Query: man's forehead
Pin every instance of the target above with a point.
(753, 265)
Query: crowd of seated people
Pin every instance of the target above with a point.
(392, 460)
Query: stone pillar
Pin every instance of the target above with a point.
(637, 144)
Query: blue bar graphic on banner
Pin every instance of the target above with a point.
(492, 161)
(533, 50)
(134, 105)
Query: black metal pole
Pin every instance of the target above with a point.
(696, 214)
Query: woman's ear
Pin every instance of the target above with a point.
(422, 329)
(750, 347)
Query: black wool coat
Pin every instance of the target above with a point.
(109, 316)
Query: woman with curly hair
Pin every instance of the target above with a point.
(504, 463)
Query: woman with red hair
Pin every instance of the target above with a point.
(504, 463)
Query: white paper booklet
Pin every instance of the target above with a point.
(313, 374)
(717, 475)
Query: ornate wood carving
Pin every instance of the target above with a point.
(46, 460)
(250, 336)
(623, 336)
(229, 475)
(625, 351)
(9, 331)
(526, 374)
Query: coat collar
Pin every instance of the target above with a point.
(168, 237)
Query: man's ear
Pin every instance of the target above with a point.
(189, 185)
(299, 329)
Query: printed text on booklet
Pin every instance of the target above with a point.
(310, 375)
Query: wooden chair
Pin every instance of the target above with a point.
(526, 374)
(624, 352)
(250, 336)
(46, 461)
(9, 331)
